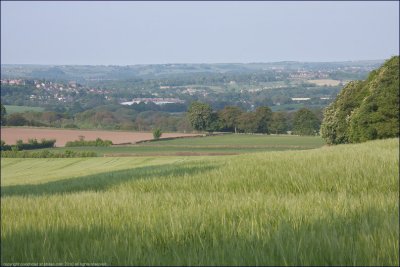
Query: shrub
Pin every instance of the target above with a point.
(4, 147)
(34, 144)
(46, 154)
(157, 133)
(71, 126)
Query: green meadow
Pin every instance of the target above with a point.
(331, 205)
(16, 109)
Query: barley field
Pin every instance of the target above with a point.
(335, 205)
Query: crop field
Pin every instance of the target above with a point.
(228, 144)
(15, 109)
(333, 205)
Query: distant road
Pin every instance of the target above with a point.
(11, 134)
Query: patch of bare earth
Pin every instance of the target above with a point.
(11, 134)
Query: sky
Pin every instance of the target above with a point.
(129, 33)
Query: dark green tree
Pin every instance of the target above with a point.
(334, 128)
(263, 117)
(16, 119)
(229, 117)
(3, 115)
(247, 122)
(279, 123)
(377, 117)
(365, 110)
(305, 122)
(215, 123)
(199, 115)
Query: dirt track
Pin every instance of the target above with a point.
(11, 134)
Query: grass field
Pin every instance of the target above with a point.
(210, 145)
(327, 206)
(14, 109)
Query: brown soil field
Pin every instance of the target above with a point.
(11, 134)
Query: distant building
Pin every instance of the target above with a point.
(157, 101)
(300, 98)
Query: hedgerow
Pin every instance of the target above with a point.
(81, 142)
(47, 154)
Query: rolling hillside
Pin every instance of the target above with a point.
(327, 206)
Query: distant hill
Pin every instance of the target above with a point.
(365, 110)
(113, 72)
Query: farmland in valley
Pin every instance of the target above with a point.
(11, 134)
(334, 205)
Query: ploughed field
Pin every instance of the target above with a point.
(336, 205)
(11, 134)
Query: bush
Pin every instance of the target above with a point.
(47, 154)
(157, 133)
(16, 119)
(71, 126)
(4, 147)
(34, 144)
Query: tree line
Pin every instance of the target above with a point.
(261, 120)
(199, 116)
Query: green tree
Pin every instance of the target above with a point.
(215, 123)
(229, 117)
(247, 122)
(157, 133)
(16, 119)
(377, 117)
(279, 123)
(335, 125)
(263, 117)
(3, 115)
(305, 122)
(365, 110)
(200, 116)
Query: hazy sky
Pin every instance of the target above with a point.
(128, 33)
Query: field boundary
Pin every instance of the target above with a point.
(178, 137)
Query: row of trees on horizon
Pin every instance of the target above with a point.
(262, 120)
(199, 117)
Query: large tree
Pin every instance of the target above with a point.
(279, 123)
(229, 117)
(263, 116)
(305, 122)
(199, 115)
(16, 119)
(247, 122)
(3, 114)
(377, 117)
(335, 125)
(365, 110)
